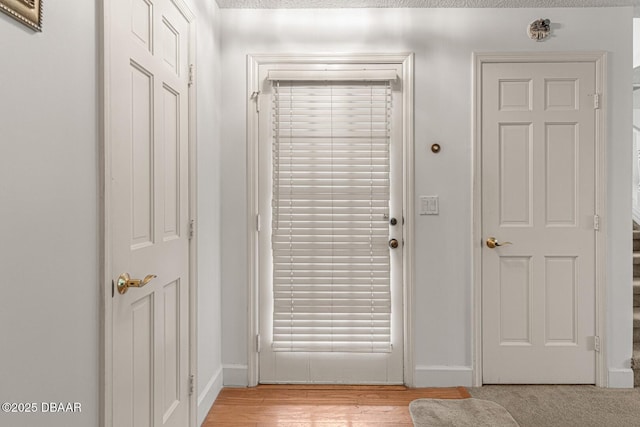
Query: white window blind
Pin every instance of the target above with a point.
(331, 281)
(334, 75)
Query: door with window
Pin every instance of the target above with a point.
(330, 213)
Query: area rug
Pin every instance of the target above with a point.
(459, 413)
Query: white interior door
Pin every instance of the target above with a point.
(538, 193)
(313, 241)
(148, 140)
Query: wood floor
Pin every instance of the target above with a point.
(325, 406)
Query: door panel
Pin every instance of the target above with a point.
(515, 300)
(142, 157)
(149, 179)
(538, 199)
(515, 174)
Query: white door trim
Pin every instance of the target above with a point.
(105, 255)
(599, 59)
(253, 85)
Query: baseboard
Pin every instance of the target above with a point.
(208, 395)
(620, 378)
(452, 376)
(235, 375)
(443, 376)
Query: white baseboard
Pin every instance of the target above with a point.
(443, 376)
(424, 376)
(208, 395)
(620, 378)
(235, 375)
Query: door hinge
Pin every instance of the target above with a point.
(258, 222)
(192, 72)
(256, 97)
(191, 384)
(596, 222)
(192, 228)
(596, 101)
(596, 343)
(258, 346)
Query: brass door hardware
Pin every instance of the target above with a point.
(493, 243)
(125, 282)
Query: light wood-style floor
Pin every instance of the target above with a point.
(317, 405)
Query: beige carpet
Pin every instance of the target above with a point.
(459, 413)
(565, 405)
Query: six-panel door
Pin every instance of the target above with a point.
(538, 194)
(149, 216)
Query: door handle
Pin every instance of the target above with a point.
(125, 282)
(493, 243)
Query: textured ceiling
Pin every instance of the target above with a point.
(324, 4)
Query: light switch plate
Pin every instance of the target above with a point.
(429, 205)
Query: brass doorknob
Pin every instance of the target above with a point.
(493, 243)
(125, 282)
(393, 243)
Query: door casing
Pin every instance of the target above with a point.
(105, 256)
(253, 87)
(599, 59)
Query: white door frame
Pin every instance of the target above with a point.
(253, 87)
(105, 256)
(599, 59)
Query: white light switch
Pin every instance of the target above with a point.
(429, 205)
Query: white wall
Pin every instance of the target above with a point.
(443, 41)
(49, 212)
(636, 116)
(49, 215)
(636, 44)
(208, 77)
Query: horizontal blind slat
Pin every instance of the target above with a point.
(330, 210)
